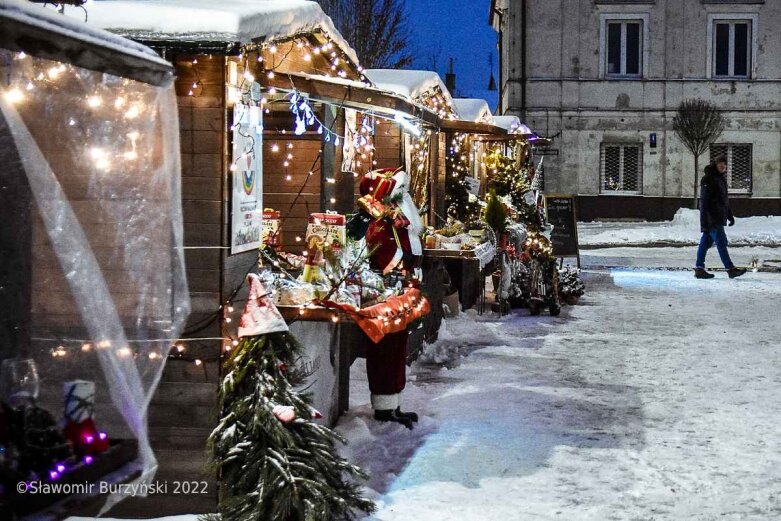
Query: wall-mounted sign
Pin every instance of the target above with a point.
(247, 173)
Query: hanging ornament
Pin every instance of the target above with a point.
(284, 413)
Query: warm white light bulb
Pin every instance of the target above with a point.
(14, 95)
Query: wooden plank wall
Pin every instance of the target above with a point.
(281, 184)
(202, 132)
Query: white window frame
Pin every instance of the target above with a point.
(640, 166)
(645, 21)
(753, 20)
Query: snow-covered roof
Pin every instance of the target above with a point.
(408, 84)
(229, 21)
(32, 15)
(512, 124)
(473, 109)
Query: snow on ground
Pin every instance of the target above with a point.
(683, 229)
(656, 398)
(186, 517)
(678, 257)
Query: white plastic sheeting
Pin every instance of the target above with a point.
(100, 156)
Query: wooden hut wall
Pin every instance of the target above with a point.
(205, 194)
(281, 184)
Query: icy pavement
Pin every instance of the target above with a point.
(656, 398)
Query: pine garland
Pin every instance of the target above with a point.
(270, 470)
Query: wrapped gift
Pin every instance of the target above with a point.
(378, 183)
(375, 208)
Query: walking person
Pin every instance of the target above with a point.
(715, 213)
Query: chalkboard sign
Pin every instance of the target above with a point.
(562, 214)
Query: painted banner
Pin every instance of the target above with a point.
(247, 170)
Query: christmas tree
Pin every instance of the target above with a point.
(276, 463)
(507, 179)
(462, 205)
(496, 214)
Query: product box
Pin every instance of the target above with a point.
(271, 235)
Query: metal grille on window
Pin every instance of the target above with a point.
(621, 167)
(739, 165)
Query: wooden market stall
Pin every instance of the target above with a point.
(465, 185)
(91, 270)
(240, 68)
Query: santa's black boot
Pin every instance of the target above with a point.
(411, 415)
(389, 415)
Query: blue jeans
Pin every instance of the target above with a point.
(715, 236)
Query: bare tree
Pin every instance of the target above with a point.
(698, 123)
(377, 30)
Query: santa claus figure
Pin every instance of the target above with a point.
(393, 237)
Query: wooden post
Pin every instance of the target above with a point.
(438, 178)
(328, 161)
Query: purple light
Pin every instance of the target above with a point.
(89, 439)
(54, 474)
(60, 468)
(87, 459)
(102, 436)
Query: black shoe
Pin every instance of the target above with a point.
(736, 272)
(389, 415)
(700, 273)
(411, 415)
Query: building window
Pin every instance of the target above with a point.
(739, 165)
(732, 45)
(621, 168)
(624, 48)
(731, 48)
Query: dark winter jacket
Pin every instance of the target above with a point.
(714, 202)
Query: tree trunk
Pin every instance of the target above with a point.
(695, 200)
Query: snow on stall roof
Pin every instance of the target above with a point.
(227, 21)
(36, 15)
(473, 109)
(512, 124)
(409, 84)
